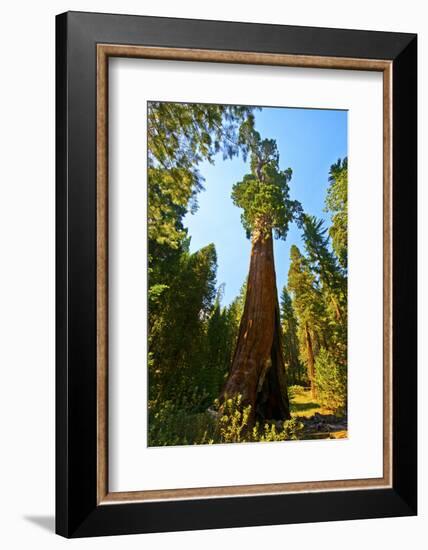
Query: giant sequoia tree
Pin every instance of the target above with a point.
(258, 373)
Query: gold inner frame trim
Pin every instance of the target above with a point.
(104, 51)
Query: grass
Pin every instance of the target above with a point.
(303, 404)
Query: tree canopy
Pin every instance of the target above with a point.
(325, 265)
(264, 194)
(180, 137)
(336, 203)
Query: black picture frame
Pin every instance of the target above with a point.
(77, 511)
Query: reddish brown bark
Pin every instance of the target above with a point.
(311, 360)
(258, 372)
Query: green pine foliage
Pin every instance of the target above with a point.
(336, 203)
(180, 137)
(324, 264)
(307, 301)
(264, 194)
(296, 372)
(318, 287)
(331, 382)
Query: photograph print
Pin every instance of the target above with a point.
(247, 273)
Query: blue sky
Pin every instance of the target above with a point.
(309, 142)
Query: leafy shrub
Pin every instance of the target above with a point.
(234, 426)
(331, 382)
(176, 424)
(233, 422)
(291, 430)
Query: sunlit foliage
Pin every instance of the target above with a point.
(264, 194)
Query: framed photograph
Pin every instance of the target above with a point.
(236, 274)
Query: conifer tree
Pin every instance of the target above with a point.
(336, 203)
(309, 307)
(177, 335)
(290, 339)
(258, 372)
(323, 262)
(219, 335)
(234, 313)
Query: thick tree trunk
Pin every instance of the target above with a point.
(311, 360)
(258, 371)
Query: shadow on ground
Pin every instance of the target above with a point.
(298, 407)
(45, 522)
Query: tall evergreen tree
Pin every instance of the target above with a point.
(309, 307)
(323, 262)
(336, 203)
(258, 371)
(290, 340)
(234, 313)
(220, 333)
(177, 336)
